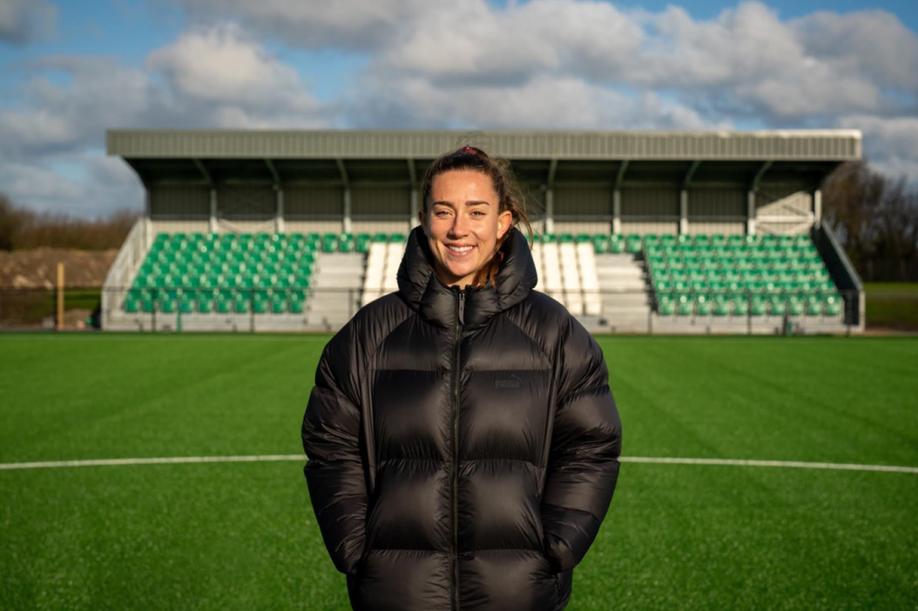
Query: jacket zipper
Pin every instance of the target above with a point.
(460, 315)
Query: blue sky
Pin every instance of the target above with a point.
(72, 69)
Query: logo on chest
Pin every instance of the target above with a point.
(507, 381)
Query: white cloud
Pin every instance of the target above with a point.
(544, 64)
(208, 78)
(545, 102)
(99, 186)
(890, 143)
(342, 24)
(873, 44)
(221, 65)
(473, 42)
(99, 93)
(22, 21)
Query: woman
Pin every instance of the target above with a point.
(462, 438)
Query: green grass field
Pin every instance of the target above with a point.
(892, 305)
(242, 535)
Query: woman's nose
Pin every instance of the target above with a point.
(458, 228)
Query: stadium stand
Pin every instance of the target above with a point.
(674, 232)
(703, 275)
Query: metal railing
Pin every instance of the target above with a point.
(300, 308)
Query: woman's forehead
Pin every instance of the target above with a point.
(462, 186)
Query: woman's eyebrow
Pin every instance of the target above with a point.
(471, 202)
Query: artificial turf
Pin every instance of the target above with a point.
(243, 535)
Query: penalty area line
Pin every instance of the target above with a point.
(655, 460)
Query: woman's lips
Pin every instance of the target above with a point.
(457, 251)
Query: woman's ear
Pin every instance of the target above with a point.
(504, 219)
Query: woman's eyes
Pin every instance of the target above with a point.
(442, 214)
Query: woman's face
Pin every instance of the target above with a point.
(463, 224)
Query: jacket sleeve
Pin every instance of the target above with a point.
(334, 469)
(583, 459)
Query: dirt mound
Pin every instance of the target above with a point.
(37, 267)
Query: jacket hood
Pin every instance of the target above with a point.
(423, 291)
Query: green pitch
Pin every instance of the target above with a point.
(242, 535)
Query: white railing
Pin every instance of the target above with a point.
(122, 271)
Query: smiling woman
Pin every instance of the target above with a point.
(469, 203)
(462, 439)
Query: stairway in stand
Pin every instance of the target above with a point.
(336, 287)
(625, 297)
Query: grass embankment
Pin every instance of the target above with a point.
(892, 305)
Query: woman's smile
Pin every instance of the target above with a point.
(459, 251)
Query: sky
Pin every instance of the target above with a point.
(69, 70)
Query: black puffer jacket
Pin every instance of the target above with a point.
(463, 445)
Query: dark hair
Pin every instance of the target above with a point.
(509, 194)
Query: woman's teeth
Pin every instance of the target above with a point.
(459, 250)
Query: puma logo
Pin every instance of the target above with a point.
(511, 381)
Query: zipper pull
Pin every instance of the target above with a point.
(462, 307)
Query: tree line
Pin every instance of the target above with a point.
(21, 229)
(875, 218)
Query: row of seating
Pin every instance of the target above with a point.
(221, 301)
(741, 275)
(349, 242)
(732, 304)
(218, 271)
(271, 242)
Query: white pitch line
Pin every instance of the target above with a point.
(162, 460)
(173, 460)
(781, 464)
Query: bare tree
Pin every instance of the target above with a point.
(876, 219)
(21, 228)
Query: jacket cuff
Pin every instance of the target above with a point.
(568, 535)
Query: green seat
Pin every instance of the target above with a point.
(777, 307)
(205, 303)
(296, 307)
(813, 307)
(186, 304)
(740, 305)
(832, 306)
(702, 304)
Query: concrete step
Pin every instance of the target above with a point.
(626, 300)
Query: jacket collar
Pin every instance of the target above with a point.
(420, 287)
